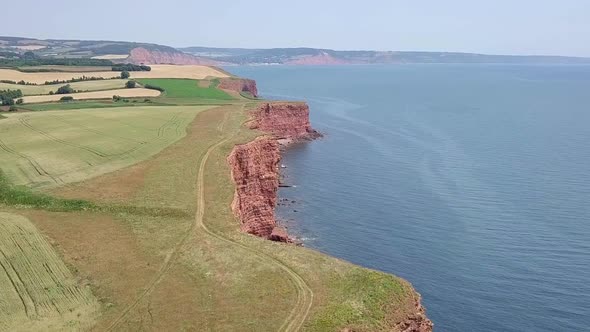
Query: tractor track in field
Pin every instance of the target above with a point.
(296, 318)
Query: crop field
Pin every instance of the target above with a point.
(31, 90)
(69, 69)
(104, 94)
(186, 88)
(37, 290)
(111, 56)
(53, 148)
(158, 71)
(41, 78)
(173, 71)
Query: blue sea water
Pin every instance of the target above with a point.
(470, 181)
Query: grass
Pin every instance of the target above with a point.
(185, 88)
(38, 290)
(86, 144)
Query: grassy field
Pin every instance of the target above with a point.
(185, 88)
(31, 90)
(53, 148)
(136, 201)
(105, 94)
(38, 291)
(80, 105)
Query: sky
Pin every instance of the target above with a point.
(549, 27)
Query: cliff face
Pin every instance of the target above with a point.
(284, 120)
(255, 171)
(155, 57)
(254, 166)
(239, 85)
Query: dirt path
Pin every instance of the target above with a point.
(305, 295)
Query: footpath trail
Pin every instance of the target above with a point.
(305, 294)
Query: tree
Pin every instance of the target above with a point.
(7, 101)
(66, 98)
(116, 98)
(62, 90)
(130, 84)
(124, 74)
(19, 101)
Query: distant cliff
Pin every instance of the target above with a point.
(239, 85)
(142, 55)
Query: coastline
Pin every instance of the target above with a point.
(255, 171)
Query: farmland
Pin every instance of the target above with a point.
(31, 90)
(133, 200)
(186, 88)
(158, 71)
(104, 94)
(38, 291)
(85, 144)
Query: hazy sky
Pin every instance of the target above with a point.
(488, 26)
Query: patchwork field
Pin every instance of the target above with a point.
(158, 71)
(53, 148)
(37, 291)
(104, 94)
(32, 90)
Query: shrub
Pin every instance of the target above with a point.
(153, 87)
(19, 101)
(12, 109)
(51, 92)
(116, 98)
(130, 84)
(124, 74)
(62, 90)
(66, 98)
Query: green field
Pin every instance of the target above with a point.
(54, 148)
(31, 90)
(38, 291)
(185, 88)
(79, 105)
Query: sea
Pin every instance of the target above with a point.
(470, 181)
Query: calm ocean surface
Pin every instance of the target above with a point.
(470, 181)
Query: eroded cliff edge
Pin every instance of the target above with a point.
(255, 171)
(255, 165)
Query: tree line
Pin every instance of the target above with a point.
(7, 97)
(130, 67)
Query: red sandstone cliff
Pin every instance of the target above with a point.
(255, 171)
(289, 120)
(239, 85)
(141, 55)
(254, 166)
